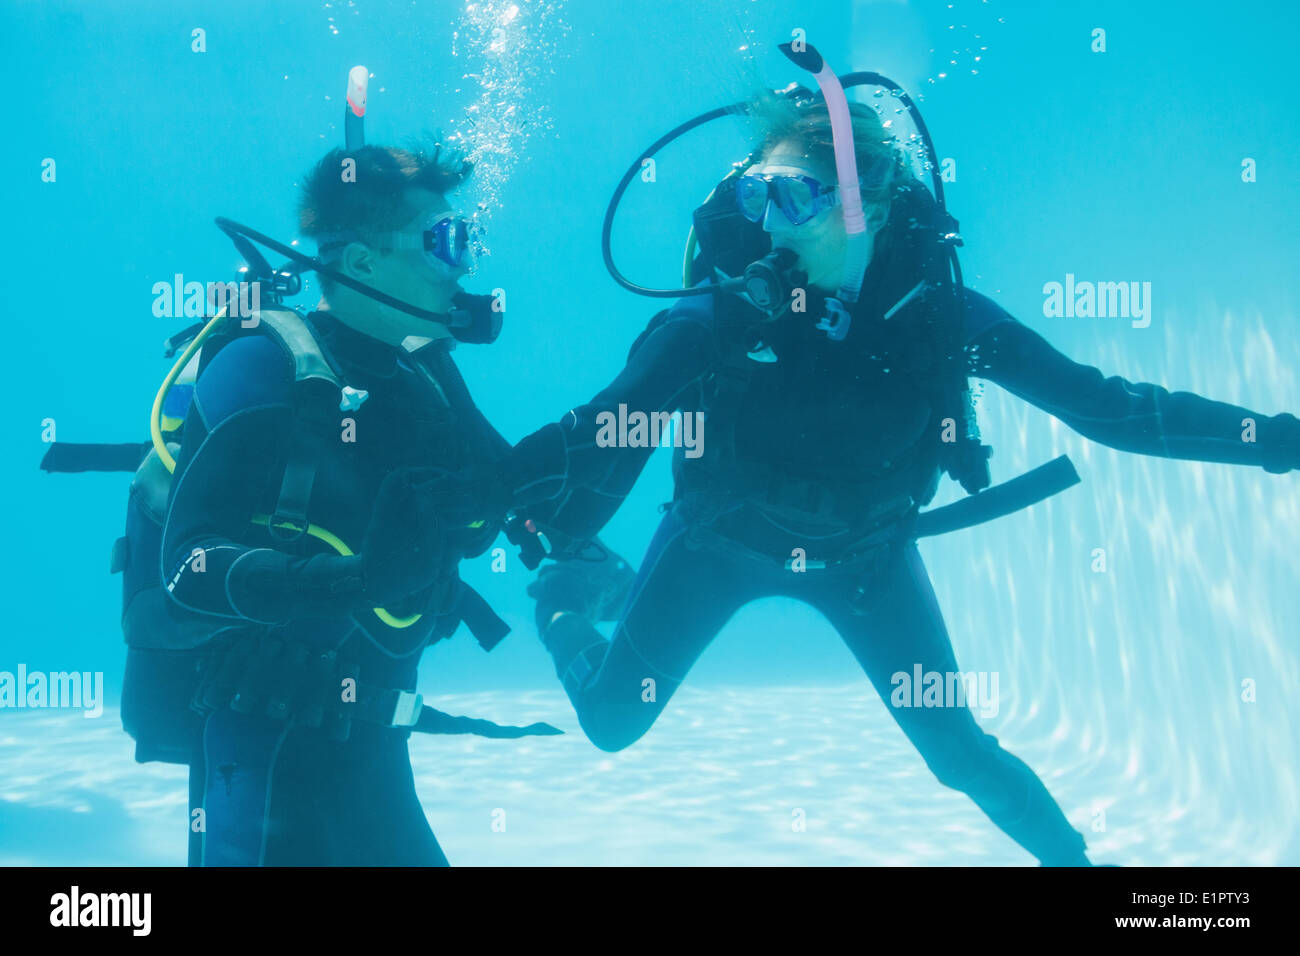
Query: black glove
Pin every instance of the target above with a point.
(476, 493)
(536, 469)
(400, 555)
(593, 582)
(403, 549)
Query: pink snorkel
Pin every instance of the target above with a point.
(836, 325)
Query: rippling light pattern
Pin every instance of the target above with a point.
(1134, 676)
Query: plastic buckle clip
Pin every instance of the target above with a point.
(406, 711)
(836, 322)
(287, 528)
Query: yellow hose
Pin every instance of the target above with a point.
(688, 256)
(155, 417)
(169, 462)
(335, 542)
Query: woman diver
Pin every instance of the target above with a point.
(823, 439)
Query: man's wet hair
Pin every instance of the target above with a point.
(376, 198)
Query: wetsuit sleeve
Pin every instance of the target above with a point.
(1130, 416)
(229, 470)
(566, 473)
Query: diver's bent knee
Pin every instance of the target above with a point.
(952, 774)
(959, 767)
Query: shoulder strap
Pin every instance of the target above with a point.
(295, 335)
(315, 397)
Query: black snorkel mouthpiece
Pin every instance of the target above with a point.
(476, 319)
(768, 282)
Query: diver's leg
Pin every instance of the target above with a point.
(365, 801)
(903, 628)
(681, 599)
(239, 759)
(346, 804)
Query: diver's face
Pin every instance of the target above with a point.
(820, 243)
(411, 274)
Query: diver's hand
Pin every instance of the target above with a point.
(473, 494)
(403, 549)
(593, 582)
(537, 468)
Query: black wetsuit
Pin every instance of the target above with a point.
(271, 793)
(827, 446)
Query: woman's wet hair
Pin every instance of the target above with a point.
(881, 163)
(906, 248)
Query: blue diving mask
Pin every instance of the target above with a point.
(800, 198)
(450, 242)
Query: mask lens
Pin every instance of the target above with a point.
(797, 199)
(459, 241)
(751, 197)
(448, 241)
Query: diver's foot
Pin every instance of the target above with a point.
(1080, 860)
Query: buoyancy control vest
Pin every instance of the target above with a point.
(171, 649)
(789, 414)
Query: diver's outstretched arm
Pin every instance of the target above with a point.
(564, 476)
(1130, 416)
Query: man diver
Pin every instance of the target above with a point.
(310, 695)
(823, 438)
